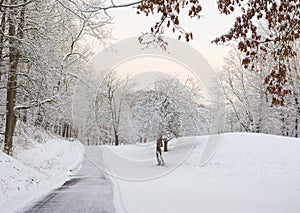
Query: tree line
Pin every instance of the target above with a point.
(43, 50)
(247, 106)
(121, 114)
(41, 55)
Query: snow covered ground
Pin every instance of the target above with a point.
(40, 164)
(248, 173)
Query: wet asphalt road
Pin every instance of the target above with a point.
(90, 190)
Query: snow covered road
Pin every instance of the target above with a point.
(90, 190)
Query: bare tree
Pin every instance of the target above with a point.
(110, 103)
(41, 55)
(247, 109)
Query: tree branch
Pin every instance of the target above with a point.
(35, 104)
(14, 5)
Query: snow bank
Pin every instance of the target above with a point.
(270, 162)
(248, 173)
(37, 167)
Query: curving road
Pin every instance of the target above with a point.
(90, 190)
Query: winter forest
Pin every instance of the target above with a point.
(46, 46)
(44, 49)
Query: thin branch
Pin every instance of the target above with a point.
(15, 5)
(113, 6)
(36, 104)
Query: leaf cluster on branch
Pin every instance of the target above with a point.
(282, 20)
(169, 12)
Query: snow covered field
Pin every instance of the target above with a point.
(39, 165)
(248, 173)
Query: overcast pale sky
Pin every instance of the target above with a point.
(128, 24)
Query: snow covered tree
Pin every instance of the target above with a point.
(290, 113)
(248, 109)
(245, 92)
(158, 117)
(281, 19)
(110, 104)
(170, 110)
(40, 56)
(295, 82)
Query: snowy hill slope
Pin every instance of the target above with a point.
(248, 173)
(35, 169)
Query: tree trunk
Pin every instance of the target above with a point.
(64, 131)
(14, 55)
(166, 145)
(297, 117)
(14, 30)
(116, 138)
(159, 158)
(10, 104)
